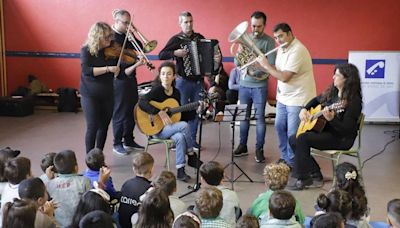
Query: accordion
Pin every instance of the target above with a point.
(200, 60)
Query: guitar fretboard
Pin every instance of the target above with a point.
(184, 108)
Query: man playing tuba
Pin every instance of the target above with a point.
(253, 83)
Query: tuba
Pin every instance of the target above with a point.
(246, 52)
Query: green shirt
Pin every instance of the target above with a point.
(260, 206)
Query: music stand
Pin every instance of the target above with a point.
(233, 113)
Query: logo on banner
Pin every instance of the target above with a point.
(375, 68)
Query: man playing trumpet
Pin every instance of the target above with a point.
(254, 90)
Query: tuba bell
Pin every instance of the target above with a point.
(246, 52)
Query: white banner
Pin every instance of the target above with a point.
(380, 83)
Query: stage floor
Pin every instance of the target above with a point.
(50, 131)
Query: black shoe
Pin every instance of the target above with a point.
(317, 176)
(194, 162)
(283, 161)
(260, 156)
(133, 146)
(241, 150)
(300, 184)
(181, 175)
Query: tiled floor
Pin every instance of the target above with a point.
(48, 131)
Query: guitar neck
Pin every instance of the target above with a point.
(184, 108)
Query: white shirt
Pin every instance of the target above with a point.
(301, 87)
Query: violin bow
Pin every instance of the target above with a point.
(122, 49)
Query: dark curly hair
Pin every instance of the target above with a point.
(353, 187)
(352, 85)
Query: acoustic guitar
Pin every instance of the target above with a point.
(152, 124)
(317, 121)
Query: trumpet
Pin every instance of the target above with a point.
(148, 46)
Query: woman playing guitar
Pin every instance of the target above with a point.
(340, 129)
(163, 89)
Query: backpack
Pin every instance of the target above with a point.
(68, 100)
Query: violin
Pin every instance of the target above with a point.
(129, 56)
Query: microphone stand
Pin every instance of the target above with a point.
(197, 184)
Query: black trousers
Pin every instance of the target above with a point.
(125, 99)
(98, 113)
(232, 96)
(304, 163)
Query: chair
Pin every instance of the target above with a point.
(169, 144)
(334, 155)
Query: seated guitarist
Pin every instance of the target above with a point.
(163, 88)
(339, 132)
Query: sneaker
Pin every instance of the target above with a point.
(133, 146)
(181, 175)
(194, 162)
(241, 150)
(119, 149)
(283, 161)
(196, 146)
(259, 156)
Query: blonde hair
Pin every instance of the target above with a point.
(209, 202)
(276, 176)
(96, 32)
(142, 163)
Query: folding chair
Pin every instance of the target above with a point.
(169, 144)
(334, 155)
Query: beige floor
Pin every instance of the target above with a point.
(48, 131)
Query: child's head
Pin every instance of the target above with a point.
(212, 173)
(155, 210)
(47, 161)
(187, 219)
(33, 189)
(166, 181)
(346, 176)
(65, 162)
(17, 169)
(393, 211)
(94, 199)
(276, 176)
(282, 204)
(19, 213)
(5, 155)
(143, 164)
(328, 220)
(209, 202)
(96, 219)
(347, 179)
(247, 221)
(336, 201)
(95, 159)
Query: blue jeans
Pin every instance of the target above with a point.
(180, 133)
(286, 124)
(190, 92)
(258, 97)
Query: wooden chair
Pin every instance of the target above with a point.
(334, 155)
(169, 144)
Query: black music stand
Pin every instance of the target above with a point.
(233, 113)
